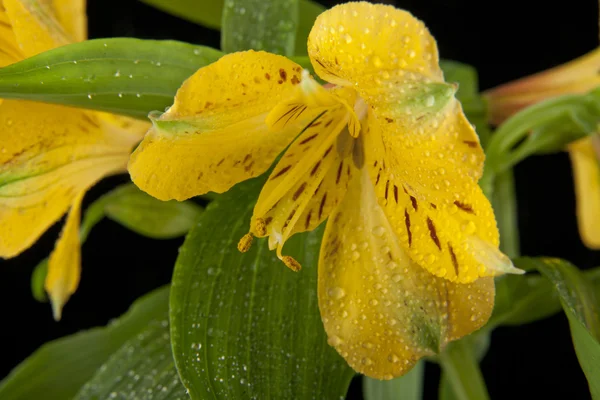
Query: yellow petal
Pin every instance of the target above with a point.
(586, 173)
(9, 49)
(381, 311)
(49, 154)
(215, 134)
(72, 17)
(64, 265)
(312, 176)
(362, 42)
(428, 190)
(35, 26)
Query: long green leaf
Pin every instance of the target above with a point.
(244, 325)
(260, 25)
(203, 12)
(407, 387)
(578, 298)
(59, 368)
(143, 368)
(125, 76)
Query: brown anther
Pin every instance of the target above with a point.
(291, 263)
(245, 243)
(260, 227)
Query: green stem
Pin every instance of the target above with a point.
(505, 207)
(461, 370)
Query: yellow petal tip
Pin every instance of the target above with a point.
(57, 301)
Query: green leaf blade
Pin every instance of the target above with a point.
(143, 368)
(268, 25)
(243, 325)
(578, 297)
(60, 368)
(124, 76)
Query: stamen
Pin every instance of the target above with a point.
(291, 263)
(245, 243)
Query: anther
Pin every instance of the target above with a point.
(260, 227)
(245, 242)
(291, 263)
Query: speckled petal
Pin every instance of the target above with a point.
(49, 154)
(216, 133)
(440, 214)
(381, 311)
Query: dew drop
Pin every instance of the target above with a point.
(430, 101)
(336, 292)
(334, 340)
(378, 231)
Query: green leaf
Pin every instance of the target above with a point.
(578, 298)
(260, 25)
(143, 368)
(148, 216)
(244, 325)
(203, 12)
(124, 76)
(407, 387)
(309, 11)
(59, 369)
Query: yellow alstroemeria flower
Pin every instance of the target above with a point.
(50, 154)
(576, 77)
(386, 155)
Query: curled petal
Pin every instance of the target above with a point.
(64, 265)
(381, 311)
(216, 134)
(586, 172)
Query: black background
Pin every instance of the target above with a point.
(504, 40)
